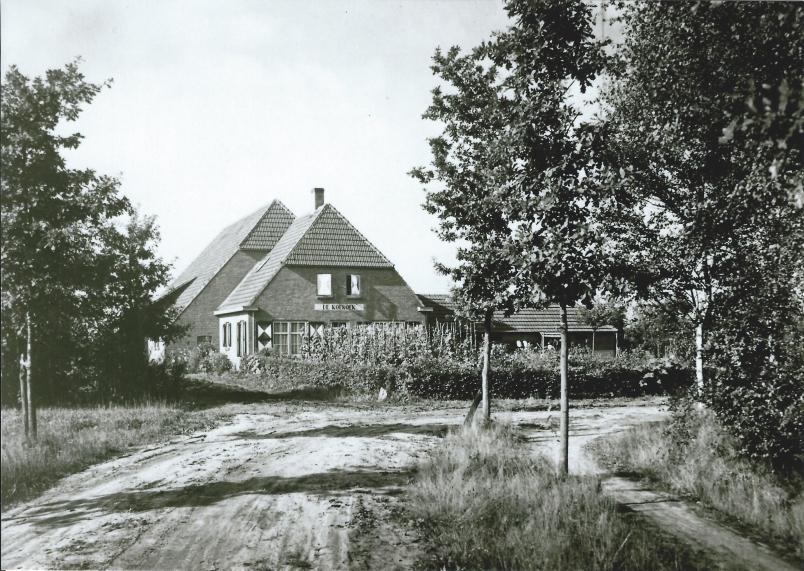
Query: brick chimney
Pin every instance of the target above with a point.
(319, 197)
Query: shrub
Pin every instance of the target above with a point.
(757, 393)
(281, 373)
(204, 358)
(527, 374)
(214, 362)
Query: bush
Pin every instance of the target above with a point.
(204, 358)
(214, 362)
(757, 392)
(281, 373)
(525, 374)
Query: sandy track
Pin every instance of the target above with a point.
(283, 486)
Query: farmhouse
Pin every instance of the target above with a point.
(270, 279)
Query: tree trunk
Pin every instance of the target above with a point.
(486, 366)
(563, 460)
(29, 361)
(699, 346)
(593, 341)
(23, 373)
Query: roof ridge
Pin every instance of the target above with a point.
(268, 208)
(309, 219)
(315, 214)
(359, 233)
(282, 204)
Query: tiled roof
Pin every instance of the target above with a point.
(545, 320)
(333, 241)
(209, 262)
(269, 229)
(264, 271)
(323, 238)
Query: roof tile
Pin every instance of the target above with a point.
(322, 238)
(210, 261)
(546, 320)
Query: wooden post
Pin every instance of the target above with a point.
(486, 365)
(29, 362)
(23, 373)
(563, 461)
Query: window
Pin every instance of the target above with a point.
(338, 324)
(201, 339)
(226, 335)
(324, 285)
(288, 336)
(353, 285)
(388, 325)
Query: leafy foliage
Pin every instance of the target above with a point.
(76, 257)
(523, 374)
(707, 143)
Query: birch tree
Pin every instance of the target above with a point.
(687, 69)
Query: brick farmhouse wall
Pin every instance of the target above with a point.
(199, 313)
(292, 295)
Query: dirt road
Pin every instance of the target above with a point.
(281, 486)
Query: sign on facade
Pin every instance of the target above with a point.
(339, 307)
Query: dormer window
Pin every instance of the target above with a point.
(353, 285)
(324, 285)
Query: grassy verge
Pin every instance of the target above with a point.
(71, 439)
(693, 456)
(485, 503)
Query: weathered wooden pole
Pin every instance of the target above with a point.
(486, 365)
(563, 460)
(29, 362)
(23, 373)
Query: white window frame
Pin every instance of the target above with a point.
(288, 336)
(354, 282)
(324, 285)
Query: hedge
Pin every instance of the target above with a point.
(446, 379)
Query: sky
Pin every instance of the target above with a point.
(218, 107)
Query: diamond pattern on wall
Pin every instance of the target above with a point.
(264, 335)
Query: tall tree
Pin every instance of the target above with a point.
(558, 249)
(685, 77)
(123, 309)
(709, 128)
(518, 166)
(51, 214)
(470, 168)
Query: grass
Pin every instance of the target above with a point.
(693, 456)
(484, 502)
(72, 439)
